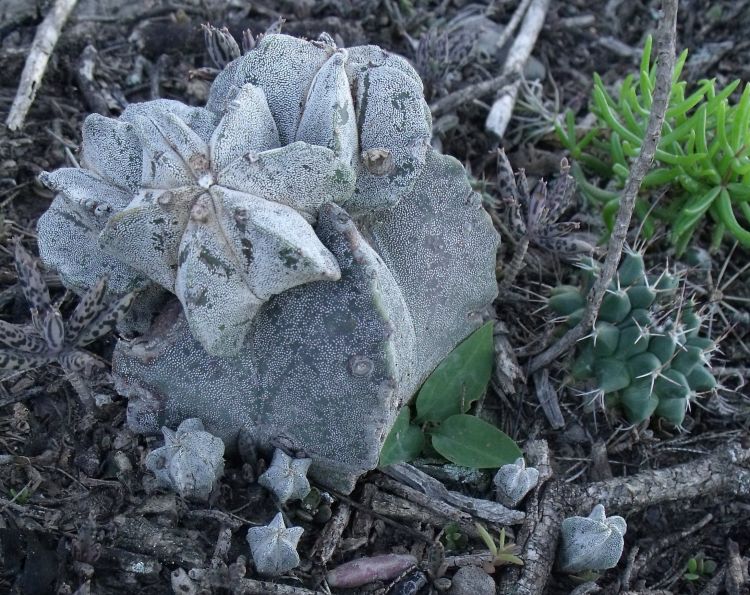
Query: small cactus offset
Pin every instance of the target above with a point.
(274, 547)
(299, 247)
(190, 462)
(52, 339)
(514, 481)
(591, 543)
(286, 477)
(645, 353)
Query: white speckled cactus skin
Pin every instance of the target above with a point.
(591, 543)
(514, 481)
(324, 257)
(190, 462)
(274, 547)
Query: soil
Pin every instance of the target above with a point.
(79, 512)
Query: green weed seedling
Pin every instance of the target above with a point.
(440, 410)
(703, 156)
(698, 568)
(453, 539)
(503, 552)
(645, 353)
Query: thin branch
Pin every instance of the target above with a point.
(472, 92)
(665, 35)
(512, 25)
(721, 473)
(41, 49)
(518, 55)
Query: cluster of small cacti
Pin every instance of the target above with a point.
(274, 547)
(191, 463)
(591, 543)
(306, 250)
(645, 352)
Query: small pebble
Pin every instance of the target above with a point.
(472, 580)
(442, 584)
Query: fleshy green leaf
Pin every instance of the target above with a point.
(459, 380)
(471, 442)
(404, 442)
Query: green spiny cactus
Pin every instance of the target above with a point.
(644, 353)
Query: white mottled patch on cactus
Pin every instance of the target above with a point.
(247, 127)
(301, 176)
(68, 233)
(201, 121)
(98, 197)
(235, 259)
(111, 150)
(281, 65)
(363, 57)
(392, 115)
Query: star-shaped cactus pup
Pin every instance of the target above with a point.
(286, 477)
(190, 462)
(274, 547)
(594, 542)
(52, 339)
(514, 481)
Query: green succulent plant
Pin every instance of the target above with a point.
(645, 353)
(703, 154)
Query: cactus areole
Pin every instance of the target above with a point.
(304, 258)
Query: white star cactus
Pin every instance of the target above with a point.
(223, 223)
(286, 477)
(514, 481)
(190, 462)
(591, 543)
(274, 547)
(324, 257)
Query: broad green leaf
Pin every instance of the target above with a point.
(459, 380)
(471, 442)
(404, 442)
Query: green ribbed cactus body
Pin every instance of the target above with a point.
(645, 353)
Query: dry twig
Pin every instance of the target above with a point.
(502, 109)
(666, 35)
(472, 92)
(36, 63)
(85, 75)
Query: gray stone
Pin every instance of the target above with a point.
(472, 580)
